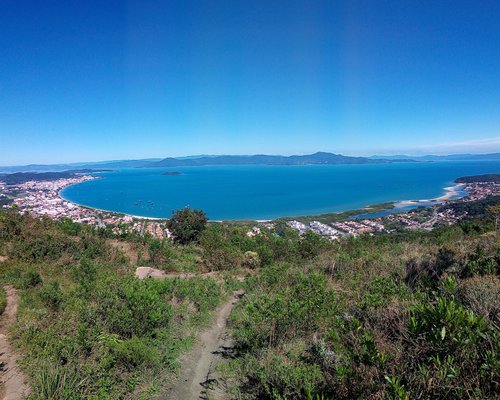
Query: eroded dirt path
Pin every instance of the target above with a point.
(12, 381)
(154, 273)
(198, 365)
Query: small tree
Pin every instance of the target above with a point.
(187, 225)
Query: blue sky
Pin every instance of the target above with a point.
(95, 80)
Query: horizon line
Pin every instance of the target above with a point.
(402, 154)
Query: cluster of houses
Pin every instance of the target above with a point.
(481, 190)
(336, 230)
(42, 198)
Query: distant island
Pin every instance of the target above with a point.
(172, 173)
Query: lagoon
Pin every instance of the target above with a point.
(267, 192)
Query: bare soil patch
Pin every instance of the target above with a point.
(148, 272)
(12, 381)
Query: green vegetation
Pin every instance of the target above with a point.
(400, 316)
(479, 178)
(475, 208)
(3, 300)
(411, 315)
(87, 328)
(342, 216)
(187, 225)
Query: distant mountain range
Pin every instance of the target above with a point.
(318, 158)
(260, 159)
(451, 157)
(99, 165)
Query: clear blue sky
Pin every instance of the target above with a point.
(96, 80)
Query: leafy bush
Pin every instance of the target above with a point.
(218, 252)
(482, 295)
(159, 251)
(129, 307)
(52, 295)
(381, 291)
(454, 348)
(136, 352)
(480, 263)
(251, 260)
(446, 324)
(85, 273)
(281, 377)
(311, 245)
(30, 278)
(425, 272)
(187, 225)
(285, 311)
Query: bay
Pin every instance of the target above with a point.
(266, 192)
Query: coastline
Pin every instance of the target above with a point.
(451, 193)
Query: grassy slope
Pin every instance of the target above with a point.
(412, 315)
(87, 327)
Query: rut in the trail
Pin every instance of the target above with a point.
(12, 381)
(198, 365)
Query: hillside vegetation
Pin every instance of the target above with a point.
(400, 316)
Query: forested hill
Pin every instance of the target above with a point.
(21, 177)
(479, 178)
(311, 159)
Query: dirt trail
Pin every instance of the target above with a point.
(154, 273)
(198, 365)
(12, 381)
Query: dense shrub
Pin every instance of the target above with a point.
(187, 225)
(482, 295)
(159, 251)
(251, 260)
(286, 311)
(426, 272)
(454, 348)
(52, 295)
(218, 252)
(446, 324)
(136, 352)
(129, 307)
(480, 263)
(30, 278)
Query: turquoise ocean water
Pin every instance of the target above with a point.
(265, 192)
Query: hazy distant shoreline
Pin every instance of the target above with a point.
(319, 158)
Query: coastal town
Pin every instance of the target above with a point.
(43, 199)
